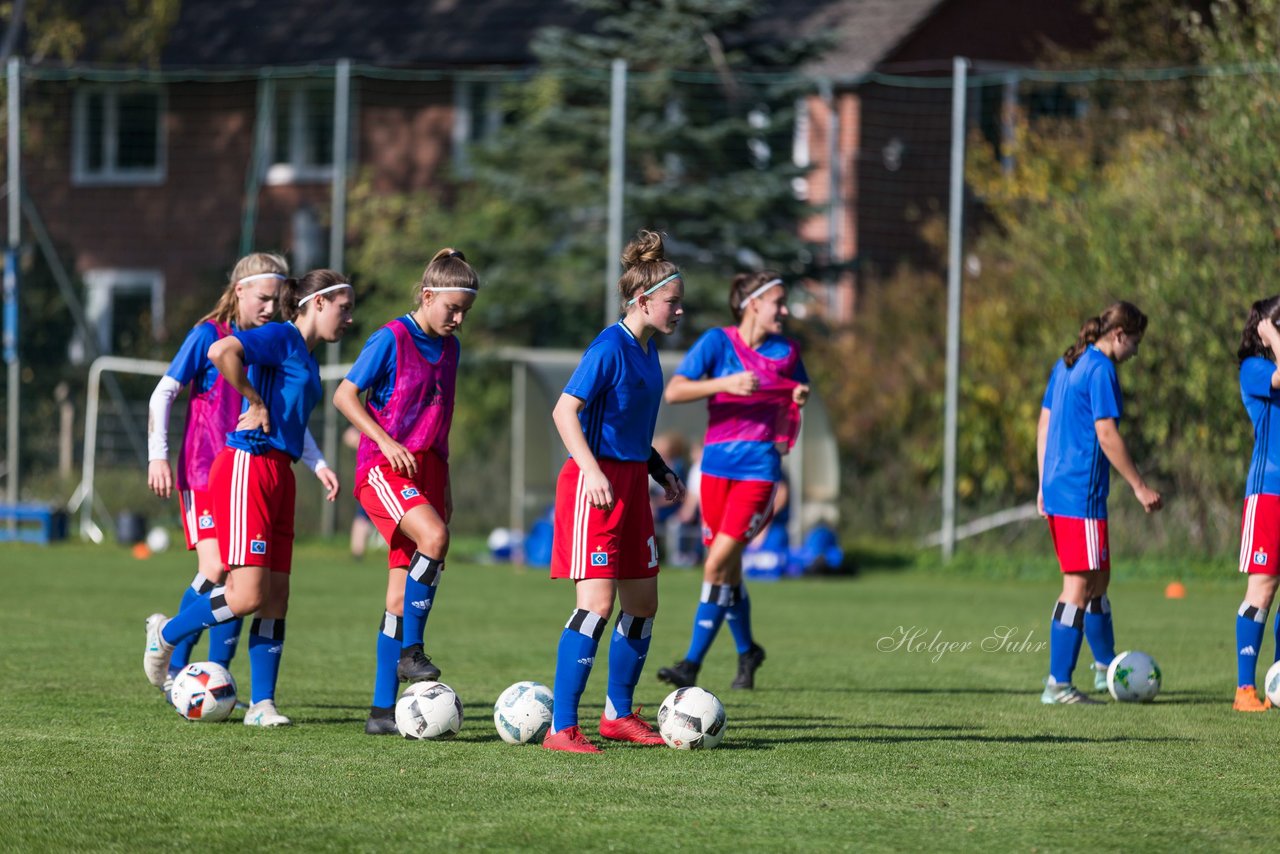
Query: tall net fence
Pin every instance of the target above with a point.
(140, 190)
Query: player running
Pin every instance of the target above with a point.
(1077, 435)
(1260, 527)
(604, 539)
(755, 384)
(409, 369)
(252, 485)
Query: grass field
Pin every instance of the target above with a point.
(844, 745)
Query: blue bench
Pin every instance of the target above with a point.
(33, 523)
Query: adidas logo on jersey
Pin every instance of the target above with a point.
(1249, 650)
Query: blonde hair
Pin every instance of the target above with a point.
(294, 290)
(448, 268)
(228, 304)
(644, 264)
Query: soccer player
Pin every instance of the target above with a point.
(604, 538)
(1077, 435)
(409, 369)
(1260, 527)
(252, 484)
(754, 383)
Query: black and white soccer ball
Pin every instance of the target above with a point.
(428, 710)
(691, 719)
(523, 713)
(204, 692)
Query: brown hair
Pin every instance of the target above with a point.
(742, 287)
(448, 268)
(1124, 316)
(644, 264)
(1251, 343)
(250, 265)
(294, 290)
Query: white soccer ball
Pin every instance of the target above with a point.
(691, 719)
(204, 691)
(523, 713)
(1271, 685)
(428, 710)
(1133, 677)
(158, 539)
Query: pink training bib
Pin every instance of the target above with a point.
(420, 409)
(768, 414)
(210, 417)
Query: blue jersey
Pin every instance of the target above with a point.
(191, 364)
(711, 357)
(1261, 402)
(287, 378)
(375, 367)
(1077, 474)
(621, 385)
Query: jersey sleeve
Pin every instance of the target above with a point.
(267, 345)
(703, 356)
(193, 355)
(800, 375)
(374, 361)
(1047, 401)
(597, 371)
(1255, 378)
(1104, 393)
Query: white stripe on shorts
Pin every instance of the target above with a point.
(239, 506)
(188, 499)
(581, 509)
(386, 495)
(1246, 532)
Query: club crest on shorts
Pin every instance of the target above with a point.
(599, 558)
(258, 547)
(1260, 557)
(409, 492)
(205, 521)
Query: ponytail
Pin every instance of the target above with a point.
(644, 265)
(1124, 316)
(294, 291)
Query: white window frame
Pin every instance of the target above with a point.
(294, 171)
(468, 128)
(102, 286)
(110, 172)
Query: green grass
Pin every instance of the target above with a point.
(843, 746)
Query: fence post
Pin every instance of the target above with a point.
(834, 201)
(955, 239)
(617, 176)
(337, 258)
(11, 278)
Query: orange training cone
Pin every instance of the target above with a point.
(1175, 590)
(140, 551)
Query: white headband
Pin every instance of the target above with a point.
(257, 276)
(636, 298)
(758, 291)
(453, 290)
(303, 301)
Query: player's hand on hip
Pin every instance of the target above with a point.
(800, 394)
(255, 417)
(599, 490)
(742, 383)
(329, 478)
(160, 478)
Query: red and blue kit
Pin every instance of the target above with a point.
(1077, 474)
(1260, 525)
(252, 481)
(620, 384)
(411, 379)
(741, 461)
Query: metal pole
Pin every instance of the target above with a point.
(833, 187)
(337, 257)
(955, 237)
(617, 176)
(11, 279)
(519, 443)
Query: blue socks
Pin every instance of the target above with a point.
(266, 644)
(1251, 622)
(574, 657)
(1066, 633)
(739, 616)
(203, 612)
(627, 652)
(1099, 630)
(419, 593)
(385, 682)
(199, 586)
(706, 621)
(223, 640)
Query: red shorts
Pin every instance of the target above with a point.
(1260, 535)
(739, 508)
(253, 502)
(386, 496)
(197, 516)
(592, 543)
(1081, 544)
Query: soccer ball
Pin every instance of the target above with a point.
(158, 539)
(691, 719)
(1272, 684)
(523, 713)
(1133, 677)
(204, 691)
(428, 710)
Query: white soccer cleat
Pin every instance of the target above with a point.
(1066, 694)
(263, 713)
(155, 659)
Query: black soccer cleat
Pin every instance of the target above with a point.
(381, 722)
(682, 674)
(416, 666)
(748, 663)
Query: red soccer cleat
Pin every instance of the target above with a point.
(631, 728)
(571, 740)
